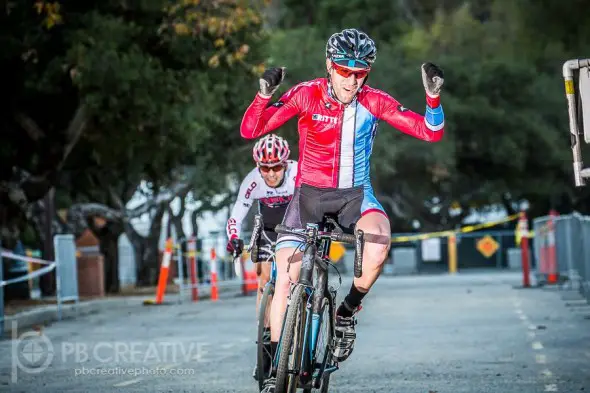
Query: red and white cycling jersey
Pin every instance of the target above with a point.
(272, 202)
(336, 140)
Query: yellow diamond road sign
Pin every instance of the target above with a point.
(337, 251)
(487, 246)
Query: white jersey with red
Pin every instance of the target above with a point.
(336, 140)
(272, 202)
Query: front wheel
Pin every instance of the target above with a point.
(323, 355)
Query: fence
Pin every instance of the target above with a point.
(204, 268)
(496, 249)
(65, 270)
(569, 235)
(192, 270)
(127, 265)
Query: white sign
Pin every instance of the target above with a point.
(431, 249)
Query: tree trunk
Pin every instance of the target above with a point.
(194, 224)
(47, 281)
(148, 259)
(109, 248)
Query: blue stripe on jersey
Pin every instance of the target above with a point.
(366, 125)
(369, 200)
(435, 117)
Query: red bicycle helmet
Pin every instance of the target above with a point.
(271, 150)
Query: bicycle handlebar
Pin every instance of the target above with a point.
(336, 236)
(357, 240)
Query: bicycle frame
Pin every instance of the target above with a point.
(314, 259)
(315, 256)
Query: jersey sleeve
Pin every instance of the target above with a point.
(241, 207)
(261, 119)
(429, 127)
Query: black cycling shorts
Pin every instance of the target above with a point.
(266, 244)
(309, 204)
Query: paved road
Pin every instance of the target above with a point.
(468, 333)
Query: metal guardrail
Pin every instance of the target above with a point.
(572, 250)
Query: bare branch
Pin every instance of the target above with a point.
(93, 209)
(162, 198)
(78, 215)
(74, 132)
(24, 188)
(116, 200)
(30, 126)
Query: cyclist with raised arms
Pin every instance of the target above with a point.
(337, 122)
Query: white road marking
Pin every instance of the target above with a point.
(127, 383)
(537, 345)
(169, 366)
(541, 359)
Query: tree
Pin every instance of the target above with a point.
(95, 114)
(505, 114)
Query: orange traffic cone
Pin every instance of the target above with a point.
(214, 290)
(163, 278)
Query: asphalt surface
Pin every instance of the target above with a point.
(465, 333)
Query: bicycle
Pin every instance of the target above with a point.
(299, 362)
(263, 356)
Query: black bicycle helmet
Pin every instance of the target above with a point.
(351, 48)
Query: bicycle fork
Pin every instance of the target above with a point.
(312, 326)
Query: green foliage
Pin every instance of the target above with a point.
(165, 85)
(506, 116)
(154, 99)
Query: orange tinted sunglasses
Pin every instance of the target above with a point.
(275, 169)
(346, 72)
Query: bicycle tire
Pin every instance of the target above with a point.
(285, 384)
(261, 352)
(329, 340)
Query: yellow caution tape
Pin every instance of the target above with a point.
(569, 86)
(422, 236)
(465, 229)
(407, 238)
